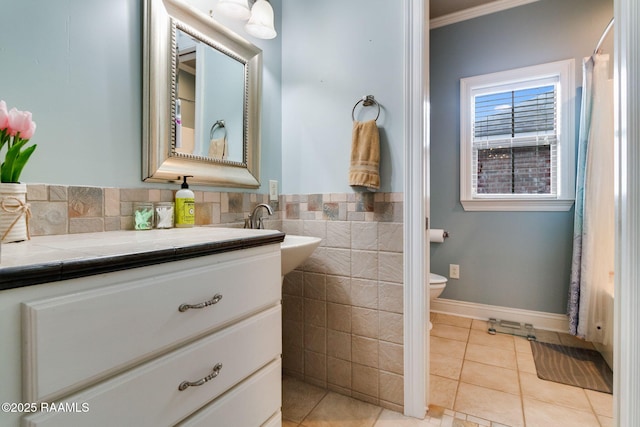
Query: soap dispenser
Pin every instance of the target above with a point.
(185, 205)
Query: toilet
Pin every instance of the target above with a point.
(437, 283)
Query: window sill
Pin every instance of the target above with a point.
(550, 205)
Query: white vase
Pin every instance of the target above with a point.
(13, 212)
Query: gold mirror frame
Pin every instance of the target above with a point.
(160, 162)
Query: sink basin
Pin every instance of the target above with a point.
(296, 249)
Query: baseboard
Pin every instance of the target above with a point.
(539, 319)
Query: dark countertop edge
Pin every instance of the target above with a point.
(36, 274)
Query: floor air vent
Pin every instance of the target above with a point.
(512, 328)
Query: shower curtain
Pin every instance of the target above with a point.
(591, 287)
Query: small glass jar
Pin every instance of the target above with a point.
(164, 214)
(143, 215)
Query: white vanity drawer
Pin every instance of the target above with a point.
(275, 421)
(263, 389)
(149, 396)
(114, 327)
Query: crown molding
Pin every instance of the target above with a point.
(474, 12)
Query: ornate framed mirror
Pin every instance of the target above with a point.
(201, 101)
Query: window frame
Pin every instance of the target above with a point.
(564, 72)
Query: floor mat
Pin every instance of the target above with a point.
(573, 366)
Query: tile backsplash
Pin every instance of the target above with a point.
(74, 209)
(57, 209)
(342, 309)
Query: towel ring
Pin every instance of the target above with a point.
(367, 101)
(216, 125)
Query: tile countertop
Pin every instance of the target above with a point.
(51, 258)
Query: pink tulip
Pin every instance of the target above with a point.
(4, 115)
(20, 121)
(27, 134)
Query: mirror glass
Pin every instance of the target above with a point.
(202, 99)
(209, 108)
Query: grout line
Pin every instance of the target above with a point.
(326, 392)
(524, 415)
(593, 409)
(464, 358)
(377, 417)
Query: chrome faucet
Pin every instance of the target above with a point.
(254, 221)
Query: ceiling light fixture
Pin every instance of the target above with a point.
(260, 23)
(260, 16)
(237, 9)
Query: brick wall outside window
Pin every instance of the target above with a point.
(518, 170)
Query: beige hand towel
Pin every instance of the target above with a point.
(365, 155)
(218, 148)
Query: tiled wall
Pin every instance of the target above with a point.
(342, 309)
(66, 210)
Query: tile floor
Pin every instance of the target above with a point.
(477, 379)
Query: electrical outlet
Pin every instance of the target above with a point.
(273, 190)
(454, 271)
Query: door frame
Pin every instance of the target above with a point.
(626, 369)
(416, 207)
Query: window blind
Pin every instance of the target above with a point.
(514, 141)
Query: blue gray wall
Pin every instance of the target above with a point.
(77, 66)
(335, 52)
(74, 66)
(511, 259)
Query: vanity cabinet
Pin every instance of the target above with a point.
(194, 342)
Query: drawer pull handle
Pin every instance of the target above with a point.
(186, 384)
(216, 298)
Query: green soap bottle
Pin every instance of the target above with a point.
(185, 205)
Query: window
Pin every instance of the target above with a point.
(517, 139)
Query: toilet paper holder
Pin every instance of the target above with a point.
(437, 235)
